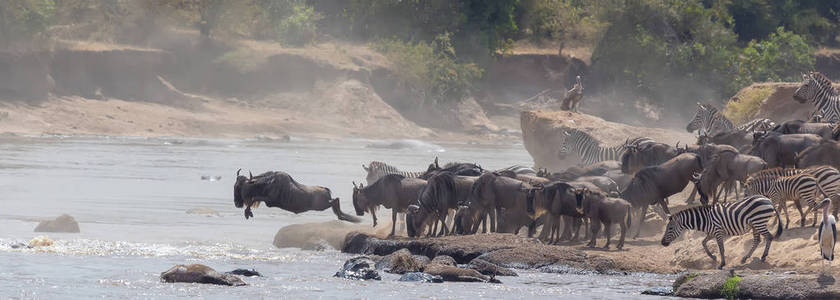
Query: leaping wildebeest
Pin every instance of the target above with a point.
(279, 189)
(392, 191)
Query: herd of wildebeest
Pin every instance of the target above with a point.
(774, 164)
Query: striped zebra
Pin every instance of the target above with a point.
(798, 188)
(723, 220)
(760, 124)
(519, 170)
(816, 88)
(709, 121)
(378, 169)
(828, 178)
(590, 149)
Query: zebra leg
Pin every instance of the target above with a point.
(798, 204)
(768, 238)
(783, 206)
(607, 230)
(756, 241)
(719, 240)
(706, 247)
(594, 227)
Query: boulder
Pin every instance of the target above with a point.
(63, 223)
(421, 277)
(197, 273)
(402, 262)
(444, 260)
(245, 272)
(489, 269)
(359, 268)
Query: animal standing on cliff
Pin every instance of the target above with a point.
(573, 97)
(828, 235)
(278, 189)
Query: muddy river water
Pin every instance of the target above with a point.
(131, 197)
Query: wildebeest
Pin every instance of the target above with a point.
(728, 166)
(606, 184)
(444, 192)
(392, 191)
(278, 189)
(602, 209)
(637, 157)
(532, 179)
(825, 130)
(596, 169)
(780, 150)
(826, 152)
(555, 201)
(742, 140)
(461, 169)
(652, 185)
(492, 192)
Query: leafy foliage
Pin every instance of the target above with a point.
(730, 289)
(431, 68)
(23, 19)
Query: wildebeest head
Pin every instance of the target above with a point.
(359, 199)
(415, 220)
(241, 181)
(672, 230)
(580, 196)
(531, 198)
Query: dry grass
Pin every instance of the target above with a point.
(746, 103)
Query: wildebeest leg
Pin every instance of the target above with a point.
(546, 227)
(373, 214)
(500, 218)
(576, 222)
(594, 228)
(607, 227)
(756, 240)
(393, 222)
(623, 226)
(641, 219)
(690, 199)
(584, 222)
(719, 240)
(706, 247)
(493, 220)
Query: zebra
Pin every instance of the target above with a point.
(798, 188)
(590, 149)
(729, 219)
(709, 121)
(817, 89)
(378, 169)
(827, 177)
(519, 170)
(760, 124)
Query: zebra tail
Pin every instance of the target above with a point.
(779, 227)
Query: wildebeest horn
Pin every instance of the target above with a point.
(354, 184)
(250, 176)
(678, 145)
(237, 172)
(696, 176)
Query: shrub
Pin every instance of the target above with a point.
(784, 55)
(23, 19)
(730, 289)
(431, 69)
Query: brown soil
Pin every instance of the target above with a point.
(780, 106)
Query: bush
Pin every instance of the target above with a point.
(23, 19)
(784, 55)
(431, 69)
(748, 103)
(293, 21)
(730, 289)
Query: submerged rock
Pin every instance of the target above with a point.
(245, 272)
(359, 268)
(659, 291)
(421, 277)
(41, 241)
(490, 269)
(197, 273)
(63, 223)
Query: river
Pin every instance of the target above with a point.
(131, 197)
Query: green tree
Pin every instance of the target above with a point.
(23, 19)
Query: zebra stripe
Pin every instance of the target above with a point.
(519, 170)
(709, 121)
(590, 149)
(797, 188)
(761, 124)
(760, 182)
(722, 220)
(816, 88)
(378, 169)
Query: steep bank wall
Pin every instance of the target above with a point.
(542, 134)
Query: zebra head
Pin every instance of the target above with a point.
(564, 148)
(697, 121)
(673, 230)
(807, 90)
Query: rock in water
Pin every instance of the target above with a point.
(659, 291)
(451, 273)
(359, 268)
(245, 272)
(41, 241)
(489, 269)
(64, 223)
(197, 273)
(443, 260)
(402, 262)
(421, 277)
